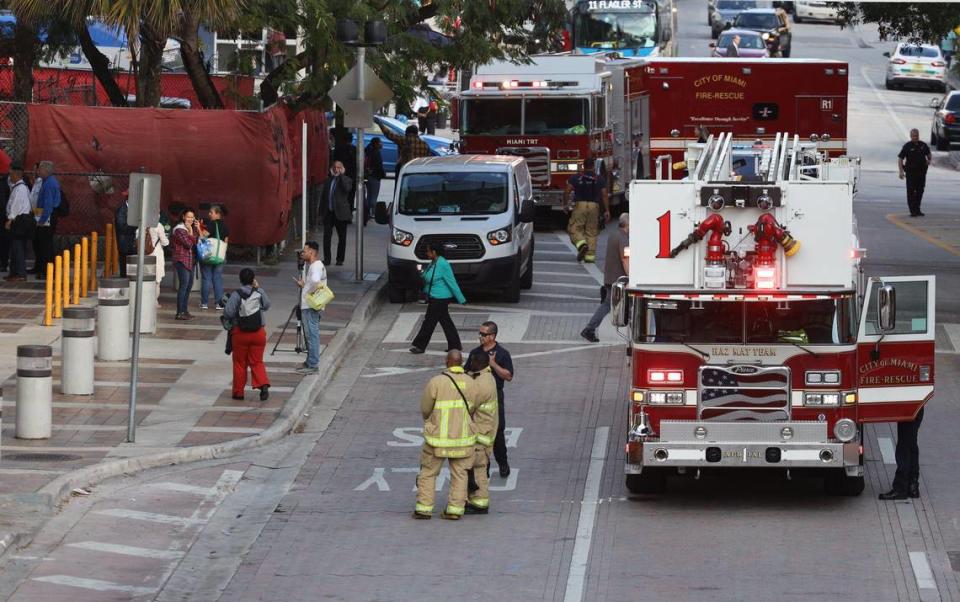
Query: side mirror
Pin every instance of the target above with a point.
(527, 211)
(934, 102)
(618, 303)
(887, 308)
(381, 213)
(886, 54)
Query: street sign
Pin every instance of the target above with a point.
(148, 204)
(374, 90)
(357, 114)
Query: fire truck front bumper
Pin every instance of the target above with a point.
(549, 198)
(742, 445)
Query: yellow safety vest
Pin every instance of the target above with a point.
(450, 429)
(486, 417)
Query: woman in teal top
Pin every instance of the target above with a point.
(441, 287)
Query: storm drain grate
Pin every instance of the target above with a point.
(40, 457)
(954, 560)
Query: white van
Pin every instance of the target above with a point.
(479, 208)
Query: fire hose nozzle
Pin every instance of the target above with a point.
(690, 240)
(790, 245)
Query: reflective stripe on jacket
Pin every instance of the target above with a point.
(486, 417)
(449, 426)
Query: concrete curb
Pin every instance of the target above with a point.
(291, 415)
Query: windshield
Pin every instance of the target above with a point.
(924, 51)
(740, 4)
(453, 193)
(953, 103)
(746, 41)
(825, 322)
(492, 116)
(757, 20)
(616, 30)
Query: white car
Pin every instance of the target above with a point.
(813, 10)
(916, 64)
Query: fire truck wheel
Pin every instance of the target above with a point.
(526, 281)
(651, 480)
(395, 293)
(512, 293)
(839, 484)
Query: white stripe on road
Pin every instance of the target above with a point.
(153, 517)
(921, 570)
(953, 332)
(591, 268)
(228, 429)
(593, 299)
(886, 450)
(576, 579)
(182, 488)
(112, 548)
(904, 131)
(591, 287)
(96, 584)
(402, 329)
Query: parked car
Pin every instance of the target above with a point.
(814, 10)
(772, 25)
(752, 44)
(945, 130)
(724, 12)
(916, 64)
(440, 146)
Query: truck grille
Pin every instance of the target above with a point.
(455, 246)
(748, 393)
(538, 162)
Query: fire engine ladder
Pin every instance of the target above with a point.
(715, 156)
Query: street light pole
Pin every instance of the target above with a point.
(359, 185)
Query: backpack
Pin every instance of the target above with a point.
(148, 246)
(63, 209)
(250, 316)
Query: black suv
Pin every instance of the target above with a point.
(771, 24)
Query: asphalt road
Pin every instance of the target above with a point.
(326, 513)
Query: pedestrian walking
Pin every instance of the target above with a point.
(374, 172)
(447, 405)
(20, 224)
(501, 365)
(589, 192)
(211, 269)
(615, 265)
(248, 337)
(345, 151)
(441, 288)
(48, 201)
(335, 208)
(185, 236)
(313, 278)
(486, 419)
(913, 161)
(906, 481)
(126, 235)
(409, 146)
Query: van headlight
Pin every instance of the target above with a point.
(501, 236)
(402, 237)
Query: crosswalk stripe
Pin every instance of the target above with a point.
(153, 517)
(112, 548)
(96, 584)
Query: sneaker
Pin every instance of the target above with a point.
(306, 370)
(204, 306)
(264, 392)
(589, 335)
(219, 307)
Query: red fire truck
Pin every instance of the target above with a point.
(632, 115)
(757, 341)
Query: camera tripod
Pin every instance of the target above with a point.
(300, 345)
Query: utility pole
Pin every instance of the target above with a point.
(360, 184)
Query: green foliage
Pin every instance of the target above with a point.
(914, 21)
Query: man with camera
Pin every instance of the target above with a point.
(314, 277)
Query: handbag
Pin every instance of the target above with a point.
(319, 298)
(218, 250)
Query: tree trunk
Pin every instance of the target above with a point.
(271, 83)
(150, 66)
(193, 63)
(100, 65)
(24, 59)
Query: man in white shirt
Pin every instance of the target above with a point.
(19, 204)
(314, 277)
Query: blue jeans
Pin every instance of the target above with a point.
(211, 273)
(185, 280)
(601, 311)
(310, 318)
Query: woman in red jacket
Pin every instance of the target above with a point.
(185, 237)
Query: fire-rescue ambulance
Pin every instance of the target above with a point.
(756, 339)
(635, 115)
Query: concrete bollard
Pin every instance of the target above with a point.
(76, 375)
(148, 307)
(113, 320)
(34, 391)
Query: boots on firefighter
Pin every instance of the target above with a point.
(582, 229)
(430, 465)
(478, 501)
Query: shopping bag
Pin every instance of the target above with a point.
(319, 298)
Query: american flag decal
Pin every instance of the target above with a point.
(756, 394)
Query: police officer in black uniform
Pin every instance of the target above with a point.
(906, 481)
(914, 159)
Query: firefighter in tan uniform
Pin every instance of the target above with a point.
(589, 195)
(486, 420)
(447, 405)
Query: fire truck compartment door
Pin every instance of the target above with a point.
(819, 215)
(662, 214)
(895, 370)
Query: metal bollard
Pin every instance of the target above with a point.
(113, 320)
(34, 391)
(148, 307)
(76, 374)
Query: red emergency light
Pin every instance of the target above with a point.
(660, 377)
(766, 277)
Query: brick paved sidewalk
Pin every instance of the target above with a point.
(184, 391)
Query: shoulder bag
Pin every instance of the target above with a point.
(320, 298)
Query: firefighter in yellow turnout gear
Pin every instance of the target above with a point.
(589, 199)
(487, 420)
(448, 404)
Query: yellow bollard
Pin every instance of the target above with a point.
(84, 254)
(57, 279)
(107, 248)
(115, 270)
(48, 299)
(93, 261)
(66, 279)
(76, 274)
